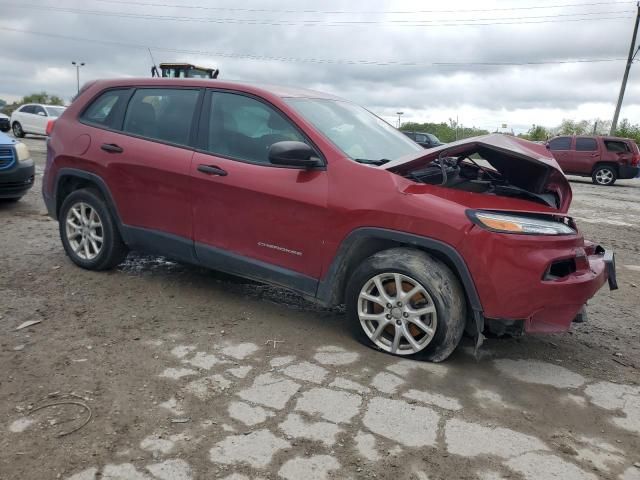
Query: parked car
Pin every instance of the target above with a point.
(604, 159)
(5, 124)
(34, 118)
(16, 169)
(426, 140)
(314, 193)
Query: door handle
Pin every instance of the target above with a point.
(212, 170)
(111, 148)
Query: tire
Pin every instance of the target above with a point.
(604, 175)
(438, 295)
(18, 132)
(81, 228)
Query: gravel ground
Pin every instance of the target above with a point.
(192, 374)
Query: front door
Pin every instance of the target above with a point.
(252, 217)
(560, 148)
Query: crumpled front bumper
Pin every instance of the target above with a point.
(573, 292)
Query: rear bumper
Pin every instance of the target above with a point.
(16, 181)
(627, 171)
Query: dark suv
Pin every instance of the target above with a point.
(315, 193)
(604, 159)
(426, 140)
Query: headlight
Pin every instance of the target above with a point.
(509, 223)
(22, 152)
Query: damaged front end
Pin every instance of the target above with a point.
(493, 164)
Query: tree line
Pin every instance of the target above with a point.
(625, 129)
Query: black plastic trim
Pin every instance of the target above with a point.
(326, 292)
(161, 243)
(223, 260)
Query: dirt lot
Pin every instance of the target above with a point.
(191, 374)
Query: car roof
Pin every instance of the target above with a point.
(603, 137)
(248, 87)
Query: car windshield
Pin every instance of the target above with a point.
(354, 130)
(54, 111)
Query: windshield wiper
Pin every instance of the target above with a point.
(368, 161)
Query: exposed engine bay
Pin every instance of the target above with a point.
(468, 174)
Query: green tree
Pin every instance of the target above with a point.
(446, 132)
(537, 133)
(628, 130)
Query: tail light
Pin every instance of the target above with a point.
(49, 128)
(635, 160)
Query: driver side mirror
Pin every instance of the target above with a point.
(293, 154)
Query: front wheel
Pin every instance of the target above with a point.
(604, 175)
(17, 130)
(406, 302)
(88, 232)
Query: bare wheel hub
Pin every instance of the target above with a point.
(397, 313)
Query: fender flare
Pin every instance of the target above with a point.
(99, 182)
(328, 287)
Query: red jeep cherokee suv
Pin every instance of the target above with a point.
(604, 159)
(314, 193)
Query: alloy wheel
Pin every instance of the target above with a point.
(604, 176)
(397, 313)
(17, 130)
(84, 231)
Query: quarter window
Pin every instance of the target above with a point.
(106, 110)
(163, 114)
(244, 128)
(560, 143)
(421, 138)
(586, 144)
(616, 146)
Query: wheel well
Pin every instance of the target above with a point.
(69, 184)
(607, 164)
(365, 247)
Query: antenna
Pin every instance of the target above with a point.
(154, 69)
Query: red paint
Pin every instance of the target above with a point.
(158, 186)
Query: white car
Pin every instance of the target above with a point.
(33, 118)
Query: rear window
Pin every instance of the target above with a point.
(163, 114)
(106, 110)
(586, 144)
(560, 143)
(616, 146)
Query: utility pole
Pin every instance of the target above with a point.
(632, 54)
(78, 65)
(399, 117)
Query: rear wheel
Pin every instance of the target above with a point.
(604, 175)
(17, 130)
(88, 232)
(405, 302)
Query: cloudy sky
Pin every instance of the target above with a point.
(514, 61)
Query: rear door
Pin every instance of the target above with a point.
(560, 148)
(145, 155)
(250, 216)
(586, 153)
(617, 151)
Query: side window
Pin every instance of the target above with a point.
(560, 143)
(243, 128)
(106, 110)
(162, 114)
(586, 144)
(38, 110)
(616, 146)
(27, 109)
(421, 138)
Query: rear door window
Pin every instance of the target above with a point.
(38, 110)
(107, 110)
(164, 114)
(616, 146)
(560, 143)
(584, 144)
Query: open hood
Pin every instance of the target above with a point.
(522, 164)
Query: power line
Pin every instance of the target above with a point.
(365, 12)
(315, 23)
(313, 60)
